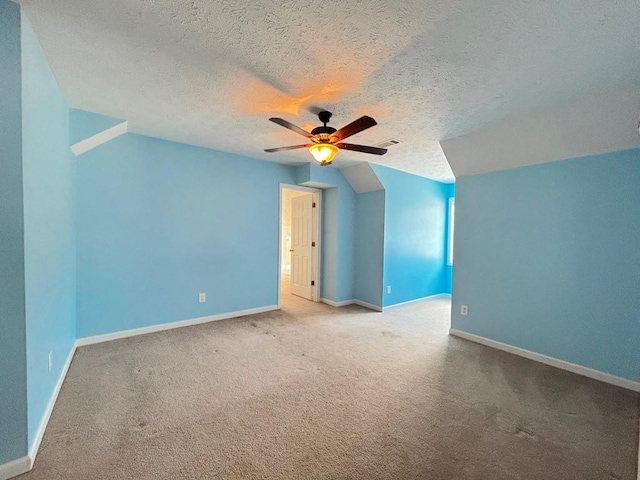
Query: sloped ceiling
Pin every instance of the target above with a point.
(211, 72)
(362, 178)
(596, 122)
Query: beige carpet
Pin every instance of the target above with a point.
(316, 392)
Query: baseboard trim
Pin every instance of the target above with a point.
(368, 305)
(344, 303)
(33, 451)
(107, 337)
(24, 464)
(430, 297)
(336, 304)
(14, 468)
(371, 306)
(552, 361)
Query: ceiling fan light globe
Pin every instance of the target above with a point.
(323, 153)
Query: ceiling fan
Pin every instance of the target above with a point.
(327, 141)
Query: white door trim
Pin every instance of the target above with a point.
(317, 237)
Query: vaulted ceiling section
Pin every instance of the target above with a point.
(211, 72)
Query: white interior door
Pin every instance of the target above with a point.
(301, 238)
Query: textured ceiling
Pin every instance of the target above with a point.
(211, 72)
(594, 123)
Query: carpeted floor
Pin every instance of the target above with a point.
(316, 392)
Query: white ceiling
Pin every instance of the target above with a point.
(362, 178)
(211, 72)
(596, 122)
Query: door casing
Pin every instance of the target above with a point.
(316, 236)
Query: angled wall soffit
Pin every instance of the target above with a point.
(588, 125)
(362, 178)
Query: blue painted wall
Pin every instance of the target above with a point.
(159, 222)
(415, 252)
(49, 227)
(13, 358)
(338, 232)
(329, 260)
(547, 259)
(369, 247)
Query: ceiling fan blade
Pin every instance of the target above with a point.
(362, 148)
(290, 126)
(292, 147)
(354, 127)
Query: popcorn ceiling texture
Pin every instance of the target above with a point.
(211, 73)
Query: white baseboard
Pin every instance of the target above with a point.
(24, 464)
(368, 305)
(14, 468)
(554, 362)
(430, 297)
(378, 308)
(35, 446)
(351, 302)
(336, 304)
(81, 342)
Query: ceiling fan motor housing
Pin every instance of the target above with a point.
(322, 134)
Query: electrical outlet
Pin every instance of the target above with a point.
(388, 288)
(464, 310)
(202, 297)
(50, 361)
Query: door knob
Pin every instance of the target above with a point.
(291, 250)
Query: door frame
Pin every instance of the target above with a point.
(316, 253)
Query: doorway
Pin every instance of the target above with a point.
(299, 252)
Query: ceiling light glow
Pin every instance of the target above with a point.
(323, 152)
